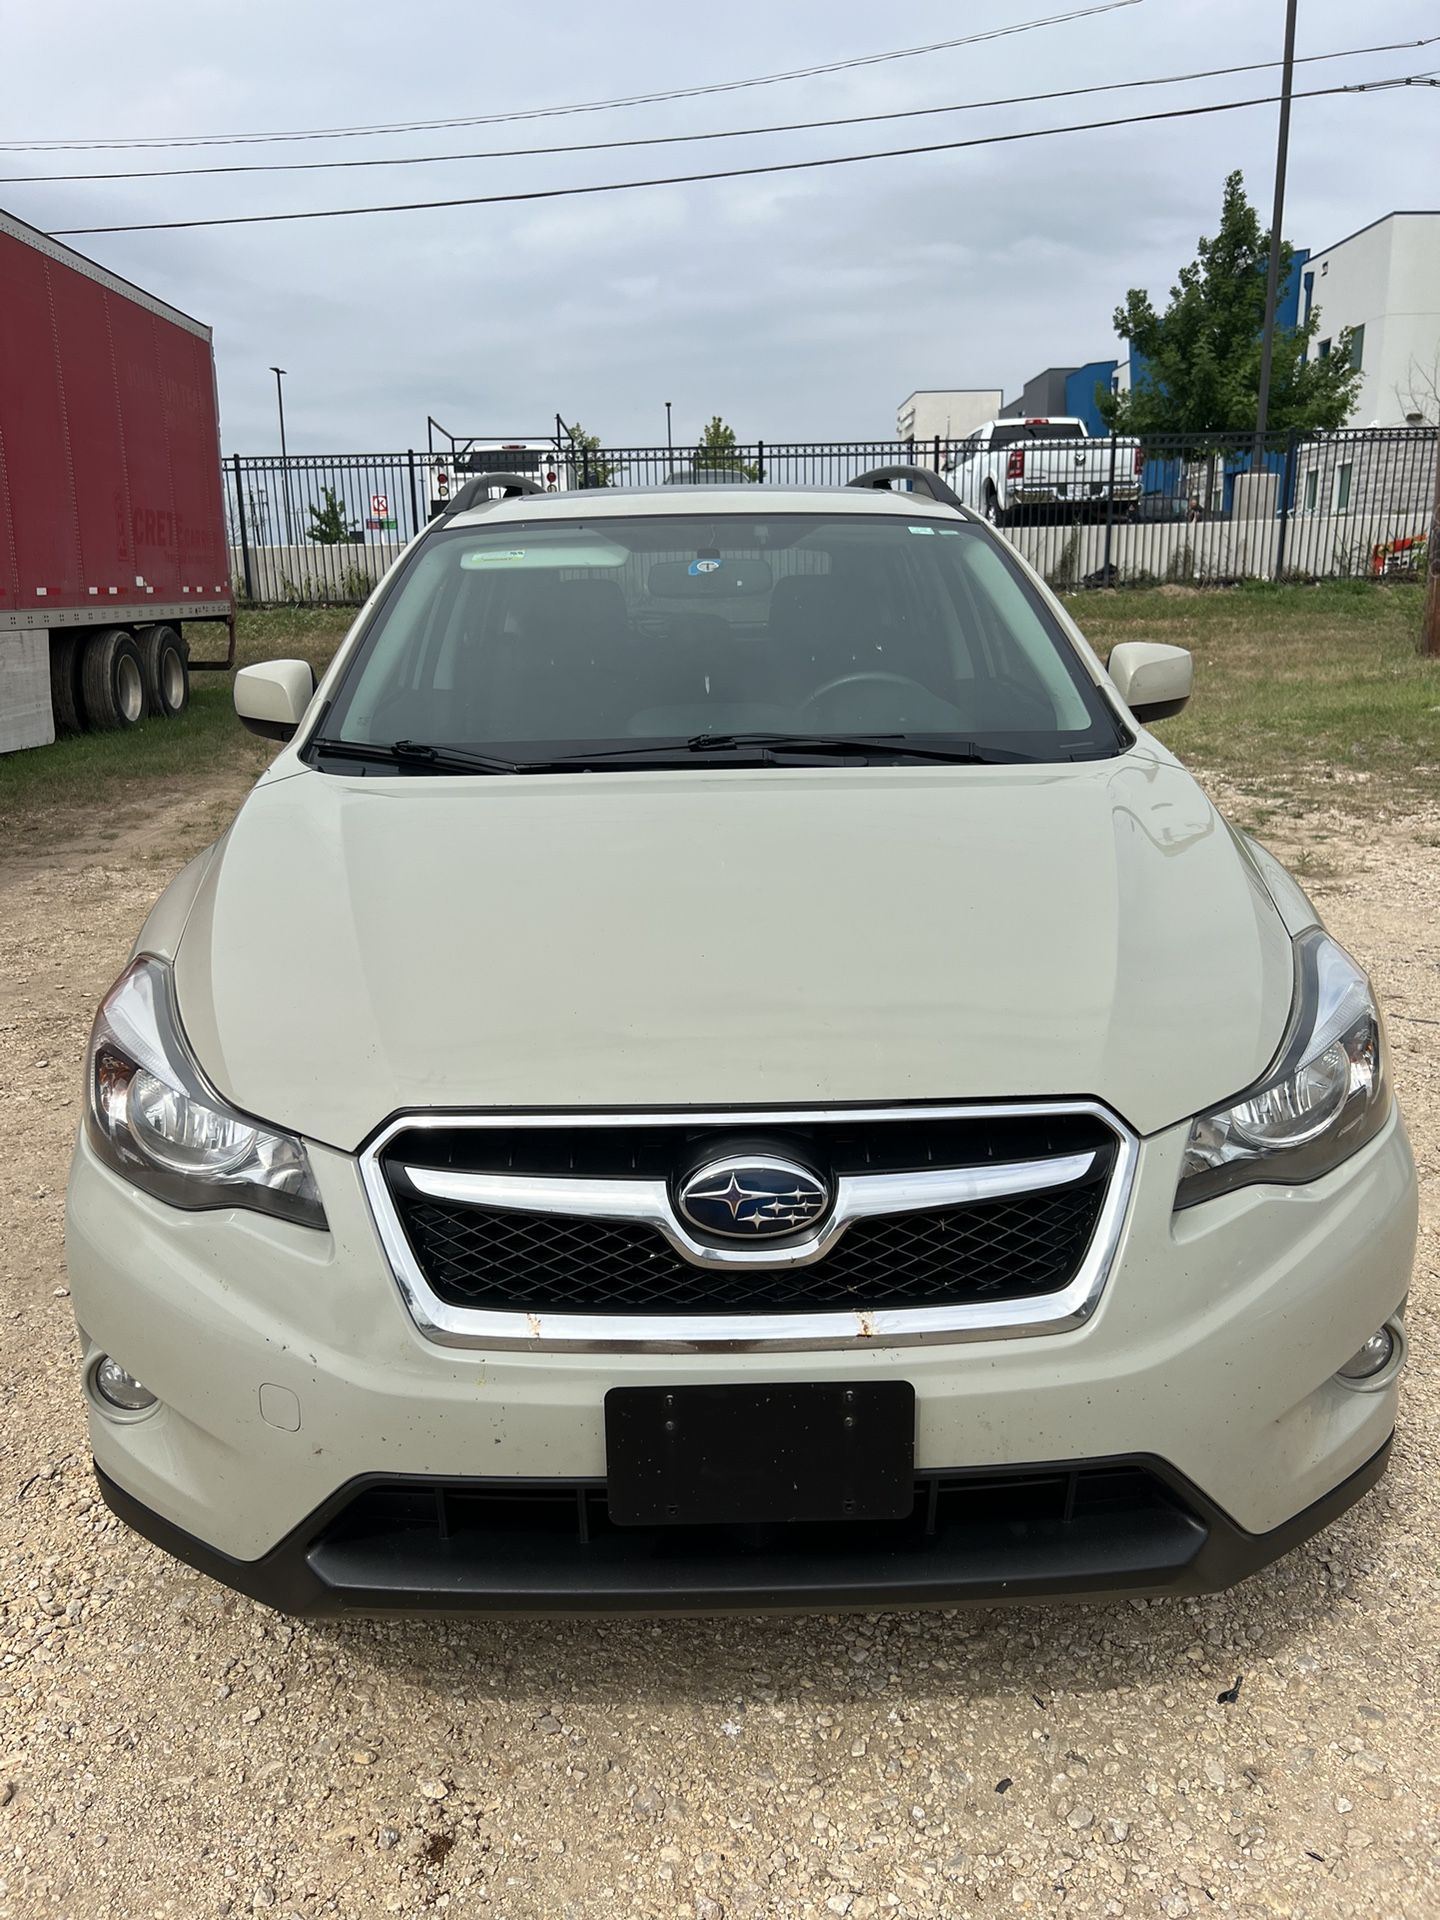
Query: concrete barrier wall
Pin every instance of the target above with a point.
(312, 575)
(1218, 552)
(1140, 553)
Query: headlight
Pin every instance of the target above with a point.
(1326, 1095)
(152, 1115)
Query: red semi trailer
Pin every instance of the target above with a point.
(112, 521)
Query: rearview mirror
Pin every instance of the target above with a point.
(271, 699)
(1153, 680)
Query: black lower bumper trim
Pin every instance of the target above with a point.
(1073, 1530)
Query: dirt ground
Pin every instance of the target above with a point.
(167, 1749)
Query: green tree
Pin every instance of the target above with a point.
(1201, 370)
(329, 523)
(589, 468)
(718, 448)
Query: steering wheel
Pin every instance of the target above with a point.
(873, 676)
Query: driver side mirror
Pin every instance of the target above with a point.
(1153, 680)
(271, 699)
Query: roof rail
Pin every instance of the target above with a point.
(920, 478)
(473, 491)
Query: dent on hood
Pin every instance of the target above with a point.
(165, 923)
(1289, 898)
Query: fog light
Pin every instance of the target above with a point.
(120, 1388)
(1372, 1358)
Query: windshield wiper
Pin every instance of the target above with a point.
(419, 753)
(422, 756)
(964, 753)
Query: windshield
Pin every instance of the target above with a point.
(552, 638)
(504, 460)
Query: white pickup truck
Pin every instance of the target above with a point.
(1009, 466)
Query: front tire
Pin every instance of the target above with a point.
(112, 681)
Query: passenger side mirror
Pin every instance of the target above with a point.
(1153, 680)
(271, 699)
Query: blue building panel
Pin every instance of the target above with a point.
(1287, 300)
(1080, 395)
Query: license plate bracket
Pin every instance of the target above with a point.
(778, 1451)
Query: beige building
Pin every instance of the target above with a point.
(1384, 283)
(954, 412)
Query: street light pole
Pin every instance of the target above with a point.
(1272, 278)
(669, 439)
(279, 373)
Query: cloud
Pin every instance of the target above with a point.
(798, 305)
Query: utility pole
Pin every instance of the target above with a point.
(279, 373)
(1277, 218)
(1430, 631)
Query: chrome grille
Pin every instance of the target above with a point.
(947, 1222)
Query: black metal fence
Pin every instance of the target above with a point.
(319, 529)
(1185, 510)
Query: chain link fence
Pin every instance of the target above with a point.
(320, 529)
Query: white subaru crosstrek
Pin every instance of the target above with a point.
(722, 1066)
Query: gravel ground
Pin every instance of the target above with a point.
(172, 1750)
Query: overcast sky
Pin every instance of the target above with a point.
(798, 306)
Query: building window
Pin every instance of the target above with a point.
(1312, 491)
(1343, 477)
(1323, 349)
(1357, 347)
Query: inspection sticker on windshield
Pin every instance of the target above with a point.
(704, 566)
(922, 529)
(482, 559)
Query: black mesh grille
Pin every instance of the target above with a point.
(498, 1514)
(1005, 1249)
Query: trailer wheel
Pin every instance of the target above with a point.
(65, 682)
(165, 664)
(112, 681)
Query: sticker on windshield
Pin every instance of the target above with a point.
(922, 529)
(948, 533)
(568, 550)
(704, 566)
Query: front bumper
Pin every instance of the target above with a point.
(1112, 1527)
(1089, 493)
(289, 1374)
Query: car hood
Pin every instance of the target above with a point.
(359, 947)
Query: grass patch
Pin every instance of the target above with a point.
(115, 772)
(1310, 694)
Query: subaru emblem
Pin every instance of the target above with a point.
(754, 1198)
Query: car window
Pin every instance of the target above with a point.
(1021, 431)
(566, 634)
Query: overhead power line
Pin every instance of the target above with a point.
(583, 106)
(733, 173)
(721, 133)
